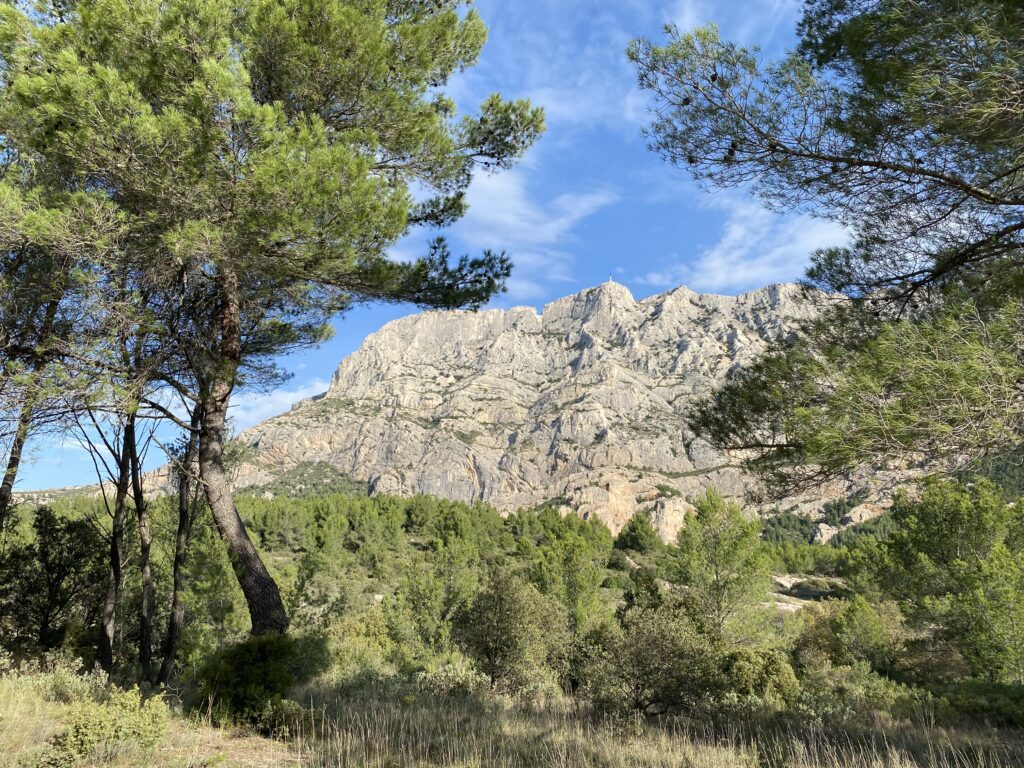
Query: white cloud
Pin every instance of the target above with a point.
(753, 22)
(756, 248)
(501, 210)
(503, 216)
(249, 408)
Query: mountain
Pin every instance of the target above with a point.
(582, 405)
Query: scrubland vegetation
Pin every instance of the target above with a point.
(191, 188)
(428, 632)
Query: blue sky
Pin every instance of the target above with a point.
(587, 203)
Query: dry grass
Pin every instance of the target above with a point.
(418, 734)
(27, 720)
(385, 734)
(31, 716)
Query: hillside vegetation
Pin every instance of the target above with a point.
(429, 632)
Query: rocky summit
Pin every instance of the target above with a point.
(582, 405)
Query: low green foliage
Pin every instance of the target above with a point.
(243, 678)
(638, 535)
(97, 732)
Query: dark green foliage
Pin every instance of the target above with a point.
(819, 588)
(981, 701)
(836, 510)
(243, 679)
(651, 660)
(788, 527)
(878, 528)
(248, 681)
(804, 558)
(639, 535)
(50, 584)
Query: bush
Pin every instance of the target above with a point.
(819, 588)
(516, 636)
(451, 681)
(763, 680)
(851, 694)
(994, 704)
(100, 732)
(243, 679)
(651, 661)
(639, 535)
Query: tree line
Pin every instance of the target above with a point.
(392, 597)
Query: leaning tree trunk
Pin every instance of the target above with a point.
(14, 459)
(261, 593)
(145, 546)
(266, 608)
(186, 514)
(108, 618)
(28, 407)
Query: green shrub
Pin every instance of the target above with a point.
(852, 693)
(618, 580)
(763, 679)
(619, 561)
(819, 588)
(97, 733)
(639, 535)
(451, 681)
(981, 701)
(60, 679)
(243, 679)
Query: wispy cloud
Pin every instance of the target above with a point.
(249, 408)
(750, 22)
(503, 215)
(756, 247)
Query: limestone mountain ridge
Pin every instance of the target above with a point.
(582, 405)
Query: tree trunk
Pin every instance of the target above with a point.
(266, 608)
(14, 459)
(145, 545)
(176, 620)
(261, 593)
(25, 417)
(108, 623)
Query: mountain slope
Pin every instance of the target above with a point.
(584, 403)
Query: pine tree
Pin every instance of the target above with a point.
(263, 155)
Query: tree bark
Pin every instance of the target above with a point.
(14, 459)
(266, 608)
(108, 620)
(25, 417)
(145, 546)
(186, 515)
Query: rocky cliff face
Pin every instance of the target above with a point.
(583, 403)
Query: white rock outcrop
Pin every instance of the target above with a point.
(583, 404)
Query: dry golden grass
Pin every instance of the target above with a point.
(30, 718)
(419, 734)
(385, 734)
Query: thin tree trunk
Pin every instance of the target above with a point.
(186, 515)
(108, 620)
(25, 417)
(266, 608)
(145, 545)
(14, 459)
